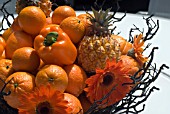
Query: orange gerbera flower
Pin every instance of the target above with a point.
(138, 50)
(44, 100)
(114, 75)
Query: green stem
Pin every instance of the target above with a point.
(15, 85)
(50, 38)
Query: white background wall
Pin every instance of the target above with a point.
(160, 8)
(10, 6)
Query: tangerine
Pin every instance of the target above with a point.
(86, 104)
(2, 46)
(76, 79)
(62, 12)
(15, 25)
(6, 69)
(18, 83)
(53, 75)
(48, 20)
(32, 19)
(17, 40)
(7, 33)
(74, 28)
(74, 103)
(25, 59)
(87, 23)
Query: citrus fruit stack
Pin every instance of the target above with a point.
(29, 62)
(45, 60)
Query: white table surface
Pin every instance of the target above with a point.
(159, 101)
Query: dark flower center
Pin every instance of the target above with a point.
(108, 78)
(44, 108)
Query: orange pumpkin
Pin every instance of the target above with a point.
(134, 49)
(131, 63)
(125, 46)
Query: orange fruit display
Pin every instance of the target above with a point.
(6, 69)
(25, 59)
(74, 28)
(18, 83)
(62, 12)
(17, 40)
(76, 79)
(32, 19)
(74, 103)
(53, 75)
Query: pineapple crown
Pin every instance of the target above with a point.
(101, 21)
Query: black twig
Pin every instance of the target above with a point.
(152, 28)
(6, 16)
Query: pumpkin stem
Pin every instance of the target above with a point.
(50, 38)
(131, 53)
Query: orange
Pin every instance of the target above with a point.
(62, 12)
(74, 103)
(15, 25)
(17, 40)
(85, 18)
(6, 69)
(42, 64)
(2, 46)
(7, 33)
(74, 28)
(76, 79)
(32, 19)
(53, 75)
(48, 21)
(86, 104)
(3, 55)
(19, 83)
(25, 59)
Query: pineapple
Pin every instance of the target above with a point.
(45, 5)
(98, 46)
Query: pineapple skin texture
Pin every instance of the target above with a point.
(93, 52)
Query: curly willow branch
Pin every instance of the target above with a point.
(152, 28)
(6, 16)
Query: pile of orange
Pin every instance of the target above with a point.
(23, 66)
